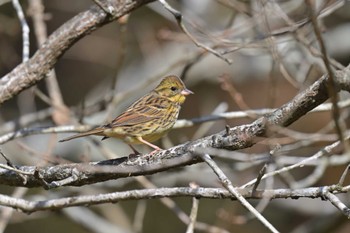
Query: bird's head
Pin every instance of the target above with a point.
(172, 88)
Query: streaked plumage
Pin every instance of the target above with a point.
(149, 118)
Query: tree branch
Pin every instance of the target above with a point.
(239, 137)
(200, 192)
(35, 69)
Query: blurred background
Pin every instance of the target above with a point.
(274, 56)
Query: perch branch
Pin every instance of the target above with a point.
(235, 138)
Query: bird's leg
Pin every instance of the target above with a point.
(156, 148)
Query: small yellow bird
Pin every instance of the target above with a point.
(148, 119)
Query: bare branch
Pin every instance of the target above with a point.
(25, 30)
(193, 215)
(336, 201)
(325, 151)
(29, 73)
(339, 126)
(237, 138)
(6, 213)
(60, 114)
(343, 176)
(212, 193)
(179, 19)
(228, 185)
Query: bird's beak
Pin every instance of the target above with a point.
(186, 92)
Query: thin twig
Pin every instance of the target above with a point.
(15, 169)
(228, 185)
(60, 113)
(336, 202)
(11, 167)
(6, 213)
(301, 37)
(193, 215)
(25, 30)
(331, 84)
(315, 176)
(343, 176)
(8, 161)
(325, 151)
(178, 16)
(260, 175)
(277, 58)
(26, 99)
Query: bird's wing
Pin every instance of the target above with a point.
(137, 115)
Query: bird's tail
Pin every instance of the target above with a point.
(96, 131)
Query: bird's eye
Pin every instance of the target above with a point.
(173, 88)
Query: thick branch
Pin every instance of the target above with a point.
(239, 137)
(29, 73)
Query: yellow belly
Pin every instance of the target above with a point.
(132, 139)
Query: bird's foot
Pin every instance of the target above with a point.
(155, 151)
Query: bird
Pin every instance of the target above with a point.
(148, 118)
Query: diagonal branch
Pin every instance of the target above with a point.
(35, 69)
(239, 137)
(234, 191)
(331, 84)
(179, 19)
(60, 113)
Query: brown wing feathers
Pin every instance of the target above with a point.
(154, 113)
